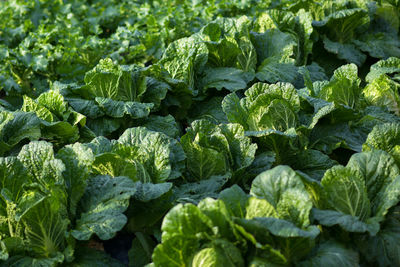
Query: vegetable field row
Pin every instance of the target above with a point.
(199, 133)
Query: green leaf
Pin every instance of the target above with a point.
(285, 191)
(297, 25)
(38, 159)
(54, 102)
(262, 93)
(196, 191)
(257, 207)
(99, 145)
(390, 66)
(156, 89)
(347, 192)
(148, 191)
(274, 49)
(241, 149)
(223, 53)
(46, 171)
(272, 183)
(273, 44)
(235, 200)
(272, 71)
(3, 251)
(359, 195)
(216, 149)
(289, 242)
(104, 126)
(42, 112)
(379, 45)
(262, 162)
(343, 88)
(385, 137)
(381, 177)
(166, 125)
(45, 227)
(328, 137)
(13, 176)
(210, 109)
(383, 92)
(279, 227)
(162, 156)
(278, 116)
(304, 32)
(148, 206)
(60, 131)
(39, 63)
(220, 217)
(260, 262)
(185, 221)
(117, 109)
(141, 250)
(348, 222)
(329, 254)
(346, 51)
(263, 106)
(248, 57)
(15, 127)
(203, 162)
(230, 79)
(234, 111)
(341, 27)
(382, 248)
(17, 198)
(103, 203)
(86, 107)
(176, 251)
(312, 162)
(281, 144)
(108, 80)
(114, 165)
(184, 58)
(77, 160)
(222, 253)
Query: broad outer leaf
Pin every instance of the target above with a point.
(385, 137)
(16, 127)
(285, 191)
(382, 179)
(162, 156)
(348, 222)
(330, 254)
(103, 204)
(175, 252)
(77, 160)
(347, 192)
(383, 249)
(185, 221)
(222, 253)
